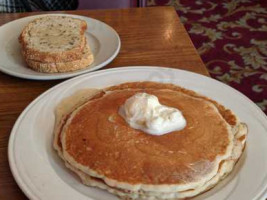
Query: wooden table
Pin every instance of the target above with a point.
(149, 36)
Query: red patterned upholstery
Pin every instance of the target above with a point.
(231, 37)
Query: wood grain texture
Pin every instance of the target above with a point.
(149, 36)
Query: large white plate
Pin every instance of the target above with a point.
(42, 175)
(103, 40)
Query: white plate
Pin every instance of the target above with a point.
(42, 175)
(103, 40)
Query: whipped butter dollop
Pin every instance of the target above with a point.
(144, 112)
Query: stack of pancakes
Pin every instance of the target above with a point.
(105, 152)
(56, 44)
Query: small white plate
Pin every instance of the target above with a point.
(103, 40)
(41, 174)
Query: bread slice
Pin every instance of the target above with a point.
(85, 61)
(54, 39)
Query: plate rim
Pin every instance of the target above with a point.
(58, 76)
(12, 163)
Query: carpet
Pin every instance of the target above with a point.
(231, 38)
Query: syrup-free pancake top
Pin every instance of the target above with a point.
(100, 142)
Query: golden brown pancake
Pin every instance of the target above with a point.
(97, 142)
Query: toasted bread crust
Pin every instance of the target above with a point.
(56, 67)
(47, 57)
(74, 53)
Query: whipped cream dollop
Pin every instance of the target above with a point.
(144, 112)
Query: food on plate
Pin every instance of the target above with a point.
(124, 139)
(56, 44)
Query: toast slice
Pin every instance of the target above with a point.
(86, 60)
(54, 39)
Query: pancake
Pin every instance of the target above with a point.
(225, 169)
(104, 151)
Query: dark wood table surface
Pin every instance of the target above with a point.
(149, 36)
